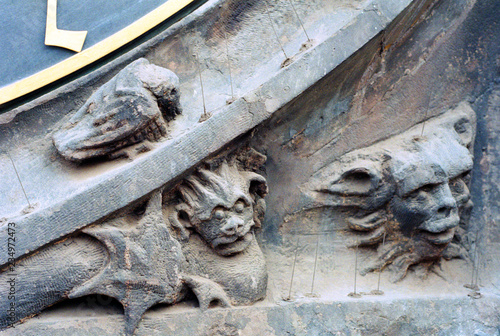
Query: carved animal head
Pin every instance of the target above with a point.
(409, 190)
(222, 206)
(133, 106)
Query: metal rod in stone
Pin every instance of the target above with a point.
(356, 266)
(474, 261)
(293, 268)
(473, 285)
(423, 124)
(354, 294)
(380, 268)
(300, 21)
(476, 282)
(201, 84)
(19, 179)
(315, 264)
(274, 29)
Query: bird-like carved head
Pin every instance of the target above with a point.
(133, 106)
(408, 191)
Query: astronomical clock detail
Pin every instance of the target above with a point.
(230, 167)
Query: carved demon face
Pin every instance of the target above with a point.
(408, 192)
(222, 207)
(228, 231)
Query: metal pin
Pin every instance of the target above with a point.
(229, 66)
(473, 286)
(205, 115)
(474, 268)
(354, 294)
(19, 179)
(293, 269)
(475, 294)
(423, 124)
(477, 260)
(378, 291)
(477, 269)
(315, 264)
(274, 30)
(300, 21)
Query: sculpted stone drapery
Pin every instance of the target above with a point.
(404, 195)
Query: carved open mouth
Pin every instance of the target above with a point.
(440, 231)
(440, 237)
(233, 244)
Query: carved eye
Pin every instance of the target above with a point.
(239, 206)
(219, 214)
(421, 192)
(427, 188)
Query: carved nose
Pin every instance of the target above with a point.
(444, 200)
(232, 226)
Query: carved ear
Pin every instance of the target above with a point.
(462, 121)
(257, 184)
(181, 219)
(257, 188)
(465, 129)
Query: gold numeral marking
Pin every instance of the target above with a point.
(72, 40)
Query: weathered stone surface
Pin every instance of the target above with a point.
(324, 128)
(201, 240)
(429, 316)
(64, 207)
(405, 194)
(42, 279)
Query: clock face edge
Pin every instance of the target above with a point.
(66, 62)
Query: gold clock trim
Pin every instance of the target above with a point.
(92, 54)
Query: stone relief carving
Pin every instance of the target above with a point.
(215, 221)
(407, 196)
(220, 207)
(134, 106)
(198, 236)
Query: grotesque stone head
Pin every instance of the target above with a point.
(222, 206)
(404, 195)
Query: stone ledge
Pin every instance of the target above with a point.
(381, 316)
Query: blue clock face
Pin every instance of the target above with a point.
(23, 52)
